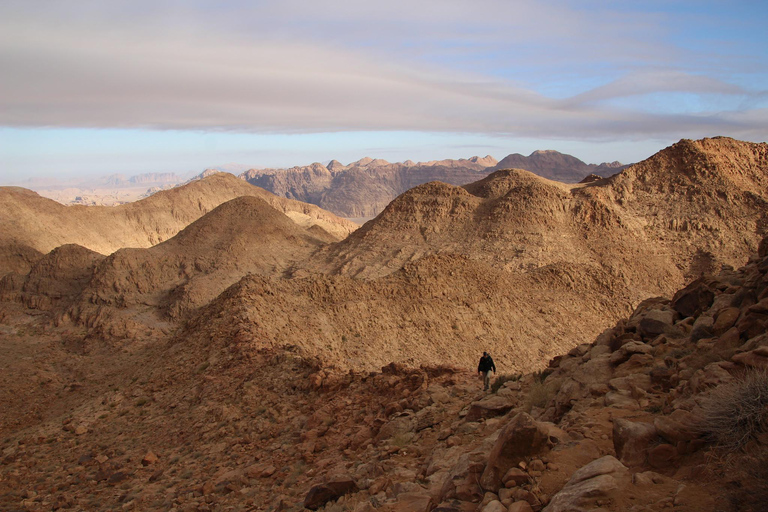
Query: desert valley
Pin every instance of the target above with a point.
(217, 346)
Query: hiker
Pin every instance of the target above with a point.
(485, 366)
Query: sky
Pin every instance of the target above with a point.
(100, 87)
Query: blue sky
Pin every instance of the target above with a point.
(97, 87)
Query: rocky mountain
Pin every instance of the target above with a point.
(665, 409)
(685, 210)
(557, 166)
(36, 224)
(253, 360)
(362, 189)
(243, 236)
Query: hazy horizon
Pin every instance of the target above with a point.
(94, 88)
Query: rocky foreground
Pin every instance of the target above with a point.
(643, 418)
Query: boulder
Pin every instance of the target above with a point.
(703, 327)
(631, 440)
(679, 426)
(462, 480)
(711, 375)
(321, 494)
(757, 358)
(413, 502)
(662, 456)
(621, 400)
(727, 341)
(489, 407)
(693, 299)
(725, 319)
(655, 322)
(587, 485)
(628, 350)
(664, 377)
(636, 363)
(520, 438)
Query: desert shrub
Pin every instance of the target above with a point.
(501, 379)
(735, 413)
(539, 395)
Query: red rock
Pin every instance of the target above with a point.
(662, 456)
(149, 458)
(631, 441)
(725, 319)
(321, 494)
(489, 407)
(520, 506)
(693, 299)
(753, 358)
(514, 477)
(520, 438)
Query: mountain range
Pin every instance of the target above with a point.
(363, 188)
(215, 345)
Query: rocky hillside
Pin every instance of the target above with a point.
(34, 223)
(242, 236)
(642, 418)
(688, 209)
(364, 188)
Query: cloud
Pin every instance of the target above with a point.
(298, 67)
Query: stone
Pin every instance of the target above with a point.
(462, 481)
(80, 430)
(514, 477)
(321, 494)
(621, 400)
(506, 496)
(521, 494)
(262, 470)
(494, 506)
(693, 299)
(631, 441)
(711, 375)
(725, 319)
(662, 456)
(679, 426)
(149, 458)
(522, 437)
(489, 407)
(628, 383)
(727, 341)
(570, 391)
(751, 325)
(663, 377)
(636, 363)
(593, 481)
(702, 328)
(520, 506)
(757, 358)
(456, 506)
(413, 502)
(655, 322)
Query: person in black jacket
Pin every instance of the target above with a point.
(485, 366)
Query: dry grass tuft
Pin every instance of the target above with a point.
(736, 413)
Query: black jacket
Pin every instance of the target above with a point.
(486, 364)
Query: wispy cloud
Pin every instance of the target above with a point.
(449, 65)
